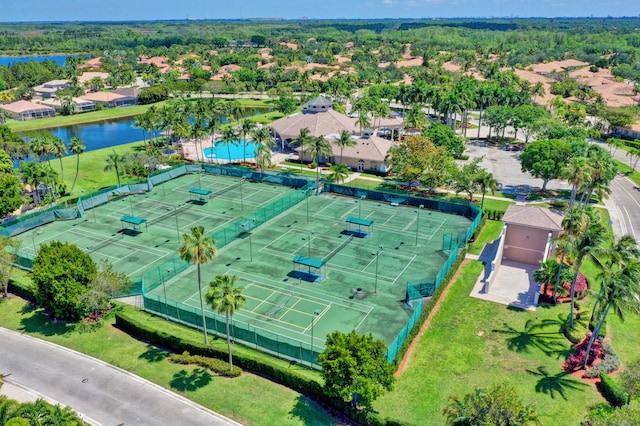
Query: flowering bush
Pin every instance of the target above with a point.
(574, 361)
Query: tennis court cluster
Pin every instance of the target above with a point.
(310, 264)
(138, 231)
(329, 262)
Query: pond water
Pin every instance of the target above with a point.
(105, 134)
(8, 60)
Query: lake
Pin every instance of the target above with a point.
(8, 60)
(105, 134)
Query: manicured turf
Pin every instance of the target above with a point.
(474, 343)
(491, 231)
(235, 398)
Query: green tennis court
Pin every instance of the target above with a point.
(168, 212)
(362, 285)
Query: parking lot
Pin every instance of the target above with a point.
(505, 167)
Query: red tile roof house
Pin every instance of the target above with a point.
(110, 99)
(25, 110)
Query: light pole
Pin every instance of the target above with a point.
(164, 289)
(313, 320)
(377, 255)
(418, 222)
(131, 203)
(308, 239)
(241, 197)
(308, 195)
(248, 226)
(33, 240)
(360, 206)
(175, 214)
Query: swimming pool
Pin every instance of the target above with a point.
(231, 152)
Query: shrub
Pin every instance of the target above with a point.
(218, 366)
(22, 289)
(274, 371)
(575, 360)
(610, 362)
(611, 392)
(313, 165)
(577, 333)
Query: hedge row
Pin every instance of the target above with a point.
(611, 392)
(288, 378)
(24, 290)
(275, 372)
(429, 307)
(216, 365)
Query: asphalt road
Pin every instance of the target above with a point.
(624, 207)
(106, 394)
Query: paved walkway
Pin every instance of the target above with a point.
(104, 394)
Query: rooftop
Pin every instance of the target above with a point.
(534, 217)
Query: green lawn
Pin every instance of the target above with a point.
(474, 343)
(490, 232)
(624, 168)
(235, 398)
(91, 175)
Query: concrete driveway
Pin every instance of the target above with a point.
(104, 394)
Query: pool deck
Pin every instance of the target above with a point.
(196, 153)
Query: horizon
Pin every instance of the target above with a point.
(80, 11)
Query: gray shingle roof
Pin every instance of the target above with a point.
(535, 217)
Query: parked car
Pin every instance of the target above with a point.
(512, 147)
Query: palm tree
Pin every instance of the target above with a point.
(339, 172)
(576, 172)
(115, 162)
(343, 141)
(58, 149)
(584, 247)
(229, 137)
(263, 158)
(486, 181)
(319, 148)
(303, 140)
(226, 298)
(415, 117)
(198, 249)
(246, 127)
(620, 288)
(574, 223)
(77, 147)
(546, 273)
(41, 147)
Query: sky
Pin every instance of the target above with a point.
(119, 10)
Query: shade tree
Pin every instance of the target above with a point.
(545, 159)
(355, 368)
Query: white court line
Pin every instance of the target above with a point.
(127, 244)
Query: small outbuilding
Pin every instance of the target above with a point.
(529, 231)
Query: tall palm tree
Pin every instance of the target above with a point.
(198, 249)
(584, 247)
(574, 222)
(303, 140)
(602, 171)
(77, 147)
(263, 158)
(246, 127)
(229, 137)
(319, 147)
(415, 117)
(114, 161)
(576, 172)
(620, 285)
(226, 298)
(41, 147)
(58, 149)
(344, 140)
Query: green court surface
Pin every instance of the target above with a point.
(362, 285)
(170, 210)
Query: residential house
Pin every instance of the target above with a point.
(25, 110)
